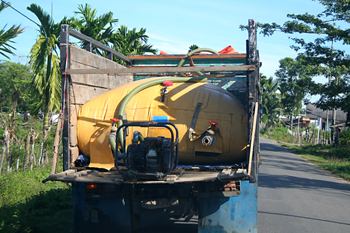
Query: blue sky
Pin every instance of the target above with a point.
(174, 25)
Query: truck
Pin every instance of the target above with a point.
(173, 135)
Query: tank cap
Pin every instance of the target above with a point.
(161, 119)
(168, 83)
(213, 123)
(115, 119)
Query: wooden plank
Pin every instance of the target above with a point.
(98, 45)
(171, 66)
(73, 136)
(219, 76)
(253, 138)
(56, 146)
(252, 97)
(64, 50)
(195, 56)
(74, 108)
(162, 70)
(74, 153)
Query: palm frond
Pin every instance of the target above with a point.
(6, 37)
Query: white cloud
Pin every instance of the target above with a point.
(155, 36)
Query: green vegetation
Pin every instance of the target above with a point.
(271, 103)
(6, 36)
(335, 159)
(319, 57)
(27, 205)
(278, 134)
(14, 91)
(293, 76)
(102, 28)
(316, 57)
(44, 61)
(20, 153)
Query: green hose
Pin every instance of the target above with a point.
(144, 86)
(193, 52)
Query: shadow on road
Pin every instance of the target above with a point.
(275, 158)
(272, 147)
(302, 217)
(285, 181)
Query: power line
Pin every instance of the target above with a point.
(9, 4)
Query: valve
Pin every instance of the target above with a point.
(209, 136)
(165, 90)
(114, 127)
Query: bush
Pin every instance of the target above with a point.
(344, 138)
(27, 205)
(278, 133)
(342, 152)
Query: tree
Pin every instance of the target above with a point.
(44, 62)
(328, 27)
(131, 42)
(99, 28)
(14, 91)
(293, 78)
(102, 29)
(270, 100)
(6, 36)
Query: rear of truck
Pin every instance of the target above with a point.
(182, 143)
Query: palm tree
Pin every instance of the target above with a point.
(7, 35)
(99, 28)
(131, 42)
(44, 62)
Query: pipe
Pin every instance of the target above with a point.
(144, 86)
(208, 140)
(138, 137)
(113, 143)
(112, 139)
(193, 52)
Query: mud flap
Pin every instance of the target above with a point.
(100, 214)
(231, 214)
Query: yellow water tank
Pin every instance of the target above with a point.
(179, 104)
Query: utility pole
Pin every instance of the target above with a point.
(329, 83)
(335, 98)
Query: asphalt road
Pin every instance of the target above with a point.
(297, 196)
(293, 196)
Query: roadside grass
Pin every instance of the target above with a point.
(334, 159)
(28, 205)
(277, 134)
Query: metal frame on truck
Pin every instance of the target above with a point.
(224, 197)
